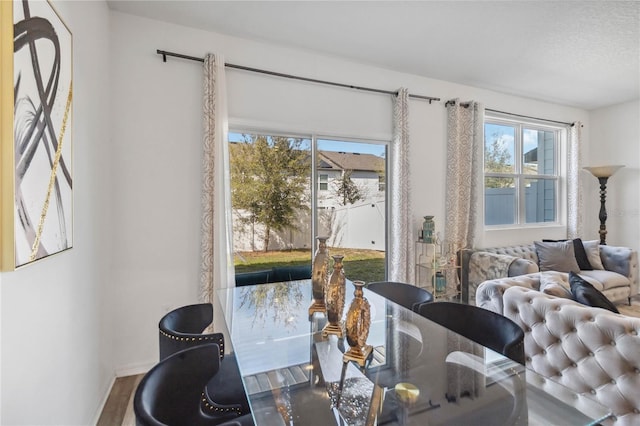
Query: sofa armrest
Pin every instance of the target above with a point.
(522, 267)
(497, 265)
(622, 260)
(477, 266)
(489, 294)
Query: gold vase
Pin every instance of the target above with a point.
(334, 299)
(319, 276)
(357, 327)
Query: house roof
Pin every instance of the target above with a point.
(350, 161)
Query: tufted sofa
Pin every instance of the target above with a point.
(592, 351)
(485, 284)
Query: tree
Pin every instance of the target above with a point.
(497, 159)
(269, 181)
(346, 190)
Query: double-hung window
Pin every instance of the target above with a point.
(323, 179)
(521, 172)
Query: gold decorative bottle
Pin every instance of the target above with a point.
(357, 327)
(334, 299)
(319, 276)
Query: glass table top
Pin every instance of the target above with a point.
(419, 372)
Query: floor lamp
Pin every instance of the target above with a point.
(603, 173)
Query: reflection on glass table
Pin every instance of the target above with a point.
(419, 372)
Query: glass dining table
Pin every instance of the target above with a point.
(419, 372)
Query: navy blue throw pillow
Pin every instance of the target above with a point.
(581, 255)
(583, 292)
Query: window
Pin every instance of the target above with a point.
(281, 200)
(324, 182)
(521, 172)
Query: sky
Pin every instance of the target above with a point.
(506, 135)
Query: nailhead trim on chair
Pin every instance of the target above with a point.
(212, 406)
(193, 339)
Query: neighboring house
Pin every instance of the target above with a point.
(367, 173)
(354, 225)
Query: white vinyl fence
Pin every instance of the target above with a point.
(358, 226)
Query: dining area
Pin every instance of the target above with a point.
(422, 362)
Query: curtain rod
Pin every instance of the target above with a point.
(164, 54)
(527, 116)
(466, 105)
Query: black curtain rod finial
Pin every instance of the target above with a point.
(163, 53)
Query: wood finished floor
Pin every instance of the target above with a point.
(118, 410)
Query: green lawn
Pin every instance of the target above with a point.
(365, 265)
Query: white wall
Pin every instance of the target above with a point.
(137, 194)
(157, 136)
(56, 352)
(615, 139)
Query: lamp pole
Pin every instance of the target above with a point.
(603, 173)
(603, 210)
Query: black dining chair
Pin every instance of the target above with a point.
(407, 295)
(183, 328)
(171, 392)
(485, 327)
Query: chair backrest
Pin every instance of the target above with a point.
(182, 328)
(407, 295)
(170, 393)
(487, 328)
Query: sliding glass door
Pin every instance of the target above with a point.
(286, 190)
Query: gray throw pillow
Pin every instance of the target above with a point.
(592, 248)
(558, 256)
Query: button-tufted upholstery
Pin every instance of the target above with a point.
(590, 350)
(618, 281)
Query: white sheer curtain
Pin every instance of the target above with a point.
(401, 240)
(216, 269)
(575, 225)
(465, 147)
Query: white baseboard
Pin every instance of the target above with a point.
(104, 401)
(135, 369)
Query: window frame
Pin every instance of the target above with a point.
(322, 181)
(559, 177)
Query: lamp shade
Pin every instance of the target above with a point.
(603, 171)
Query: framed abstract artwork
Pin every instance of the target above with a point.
(36, 87)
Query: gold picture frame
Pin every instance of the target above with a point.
(36, 84)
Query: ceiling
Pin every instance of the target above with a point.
(579, 53)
